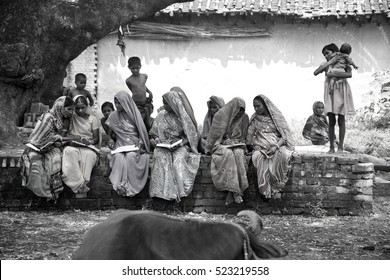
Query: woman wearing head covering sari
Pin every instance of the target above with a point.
(270, 138)
(129, 170)
(316, 127)
(174, 170)
(78, 162)
(41, 171)
(214, 104)
(228, 165)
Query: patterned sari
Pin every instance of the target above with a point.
(316, 127)
(228, 165)
(173, 172)
(129, 170)
(41, 171)
(264, 132)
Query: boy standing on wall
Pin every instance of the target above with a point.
(142, 96)
(81, 82)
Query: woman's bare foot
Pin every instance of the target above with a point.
(229, 199)
(331, 150)
(83, 189)
(237, 198)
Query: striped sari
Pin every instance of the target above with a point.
(41, 171)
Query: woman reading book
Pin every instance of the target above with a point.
(41, 170)
(78, 161)
(174, 168)
(225, 143)
(270, 139)
(130, 157)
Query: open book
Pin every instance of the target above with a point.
(123, 149)
(242, 145)
(38, 149)
(71, 143)
(169, 145)
(79, 144)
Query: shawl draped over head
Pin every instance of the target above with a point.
(186, 104)
(316, 104)
(316, 127)
(50, 125)
(184, 113)
(219, 102)
(278, 119)
(130, 109)
(224, 124)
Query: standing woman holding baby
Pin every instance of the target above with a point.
(340, 101)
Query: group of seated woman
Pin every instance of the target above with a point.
(228, 136)
(52, 156)
(266, 136)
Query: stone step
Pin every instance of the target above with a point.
(381, 188)
(379, 181)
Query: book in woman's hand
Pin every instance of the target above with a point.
(169, 145)
(125, 149)
(242, 145)
(40, 150)
(80, 144)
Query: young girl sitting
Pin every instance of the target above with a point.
(107, 109)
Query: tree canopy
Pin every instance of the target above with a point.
(39, 38)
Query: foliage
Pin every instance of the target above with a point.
(296, 127)
(374, 142)
(316, 209)
(359, 140)
(367, 131)
(376, 112)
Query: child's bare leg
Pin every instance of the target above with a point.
(332, 124)
(331, 85)
(341, 122)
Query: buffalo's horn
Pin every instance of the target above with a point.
(256, 224)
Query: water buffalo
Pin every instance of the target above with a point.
(148, 235)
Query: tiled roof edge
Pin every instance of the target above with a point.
(299, 8)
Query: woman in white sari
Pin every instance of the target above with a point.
(174, 170)
(78, 162)
(129, 170)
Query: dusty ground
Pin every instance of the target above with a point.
(56, 235)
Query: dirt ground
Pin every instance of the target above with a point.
(56, 235)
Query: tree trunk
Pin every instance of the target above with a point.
(40, 37)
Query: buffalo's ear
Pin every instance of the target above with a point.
(265, 250)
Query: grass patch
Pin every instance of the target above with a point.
(375, 142)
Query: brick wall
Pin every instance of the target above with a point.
(85, 63)
(318, 184)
